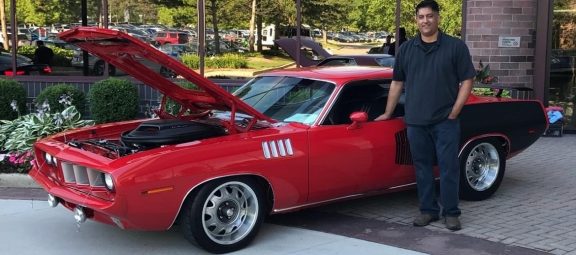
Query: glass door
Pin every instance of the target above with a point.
(562, 91)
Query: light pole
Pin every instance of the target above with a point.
(201, 35)
(298, 26)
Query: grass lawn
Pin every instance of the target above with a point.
(263, 62)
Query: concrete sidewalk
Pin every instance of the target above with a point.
(32, 227)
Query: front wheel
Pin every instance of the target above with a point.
(225, 215)
(482, 166)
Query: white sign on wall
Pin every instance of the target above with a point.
(509, 41)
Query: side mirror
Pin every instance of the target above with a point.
(357, 118)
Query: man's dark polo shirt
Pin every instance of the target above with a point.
(432, 77)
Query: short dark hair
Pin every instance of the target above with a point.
(39, 43)
(428, 4)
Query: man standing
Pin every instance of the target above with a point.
(437, 72)
(42, 54)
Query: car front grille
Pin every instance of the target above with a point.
(81, 175)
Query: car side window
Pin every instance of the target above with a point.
(368, 96)
(338, 62)
(386, 62)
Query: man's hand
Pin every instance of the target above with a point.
(452, 117)
(385, 116)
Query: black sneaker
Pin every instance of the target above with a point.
(424, 219)
(453, 223)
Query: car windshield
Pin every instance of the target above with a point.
(386, 62)
(287, 99)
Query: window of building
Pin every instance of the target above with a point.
(562, 91)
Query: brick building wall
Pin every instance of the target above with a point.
(486, 21)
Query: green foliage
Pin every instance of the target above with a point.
(56, 94)
(62, 57)
(172, 106)
(139, 11)
(20, 134)
(380, 15)
(489, 92)
(44, 12)
(483, 75)
(177, 17)
(227, 60)
(329, 14)
(12, 99)
(113, 100)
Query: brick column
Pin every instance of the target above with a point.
(486, 21)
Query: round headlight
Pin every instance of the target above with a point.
(109, 182)
(48, 158)
(54, 160)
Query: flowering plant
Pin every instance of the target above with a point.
(17, 136)
(483, 75)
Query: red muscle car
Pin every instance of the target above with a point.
(286, 140)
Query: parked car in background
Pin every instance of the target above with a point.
(24, 66)
(172, 37)
(176, 50)
(140, 34)
(218, 163)
(53, 42)
(21, 40)
(312, 54)
(383, 60)
(95, 64)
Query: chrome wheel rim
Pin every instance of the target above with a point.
(230, 212)
(482, 166)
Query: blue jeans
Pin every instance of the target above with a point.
(441, 140)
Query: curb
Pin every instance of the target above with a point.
(17, 181)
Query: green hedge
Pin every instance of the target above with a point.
(53, 95)
(113, 100)
(11, 90)
(172, 106)
(62, 57)
(227, 60)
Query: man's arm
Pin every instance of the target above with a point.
(463, 93)
(393, 97)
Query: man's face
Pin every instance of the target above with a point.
(427, 21)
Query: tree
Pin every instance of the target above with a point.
(252, 36)
(177, 17)
(43, 12)
(3, 19)
(328, 15)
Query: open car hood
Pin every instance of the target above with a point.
(289, 45)
(123, 50)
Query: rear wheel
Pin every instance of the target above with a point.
(224, 215)
(482, 166)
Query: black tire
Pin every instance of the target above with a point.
(98, 69)
(482, 167)
(224, 215)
